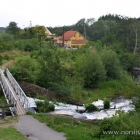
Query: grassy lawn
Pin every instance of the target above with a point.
(11, 133)
(79, 131)
(7, 130)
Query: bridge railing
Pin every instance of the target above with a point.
(9, 95)
(19, 92)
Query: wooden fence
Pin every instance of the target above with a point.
(89, 122)
(3, 109)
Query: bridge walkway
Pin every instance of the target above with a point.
(13, 94)
(20, 110)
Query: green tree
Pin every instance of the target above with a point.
(91, 69)
(52, 74)
(26, 69)
(98, 30)
(80, 25)
(12, 28)
(39, 31)
(111, 64)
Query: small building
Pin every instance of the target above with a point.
(49, 34)
(71, 39)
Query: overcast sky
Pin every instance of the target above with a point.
(62, 12)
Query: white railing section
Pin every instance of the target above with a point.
(10, 97)
(19, 92)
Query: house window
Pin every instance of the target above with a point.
(79, 35)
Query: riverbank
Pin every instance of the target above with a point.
(110, 90)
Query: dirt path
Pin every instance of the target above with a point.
(7, 64)
(8, 121)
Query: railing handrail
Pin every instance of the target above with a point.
(3, 78)
(15, 82)
(4, 86)
(12, 80)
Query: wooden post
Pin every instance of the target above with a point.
(89, 125)
(3, 112)
(3, 109)
(72, 122)
(52, 118)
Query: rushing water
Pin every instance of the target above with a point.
(68, 109)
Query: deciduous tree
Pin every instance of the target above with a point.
(12, 28)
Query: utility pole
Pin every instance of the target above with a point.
(84, 31)
(63, 36)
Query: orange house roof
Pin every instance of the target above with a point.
(67, 35)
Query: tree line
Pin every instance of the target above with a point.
(109, 29)
(111, 51)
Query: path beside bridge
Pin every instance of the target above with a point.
(34, 130)
(7, 64)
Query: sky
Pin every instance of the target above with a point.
(53, 13)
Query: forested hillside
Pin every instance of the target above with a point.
(109, 29)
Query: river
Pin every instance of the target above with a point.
(68, 109)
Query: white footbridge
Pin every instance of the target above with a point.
(13, 93)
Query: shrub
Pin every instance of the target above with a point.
(44, 106)
(91, 107)
(39, 104)
(1, 58)
(26, 69)
(112, 64)
(136, 102)
(126, 123)
(6, 57)
(51, 107)
(2, 100)
(91, 69)
(106, 104)
(28, 47)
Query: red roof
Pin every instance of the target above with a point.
(67, 35)
(79, 41)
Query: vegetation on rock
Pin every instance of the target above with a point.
(106, 104)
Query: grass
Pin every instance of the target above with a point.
(79, 131)
(111, 89)
(11, 133)
(14, 53)
(125, 122)
(7, 130)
